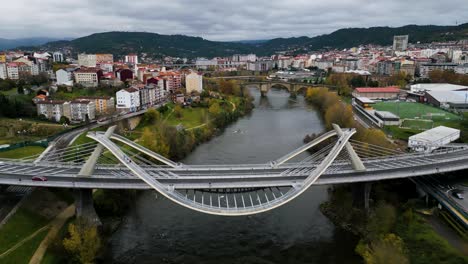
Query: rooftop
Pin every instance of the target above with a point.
(389, 89)
(435, 134)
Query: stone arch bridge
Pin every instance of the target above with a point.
(292, 87)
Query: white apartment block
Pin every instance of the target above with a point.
(128, 99)
(194, 82)
(12, 71)
(65, 77)
(58, 56)
(87, 60)
(3, 71)
(53, 110)
(425, 69)
(82, 110)
(131, 59)
(87, 77)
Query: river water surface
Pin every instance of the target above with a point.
(159, 231)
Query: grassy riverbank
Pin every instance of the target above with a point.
(23, 152)
(24, 231)
(391, 231)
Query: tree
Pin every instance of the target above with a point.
(83, 241)
(339, 114)
(154, 140)
(214, 109)
(178, 111)
(151, 117)
(64, 120)
(388, 249)
(381, 221)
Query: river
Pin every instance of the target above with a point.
(159, 231)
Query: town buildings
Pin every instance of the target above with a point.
(65, 76)
(194, 82)
(128, 99)
(58, 57)
(103, 104)
(78, 110)
(88, 77)
(87, 60)
(390, 92)
(400, 43)
(131, 59)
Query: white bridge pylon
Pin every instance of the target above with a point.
(230, 203)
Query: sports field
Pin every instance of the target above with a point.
(420, 124)
(407, 110)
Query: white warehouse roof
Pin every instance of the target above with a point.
(422, 87)
(436, 134)
(459, 97)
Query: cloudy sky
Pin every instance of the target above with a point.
(217, 19)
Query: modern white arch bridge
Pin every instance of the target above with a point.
(114, 162)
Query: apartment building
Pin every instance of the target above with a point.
(88, 77)
(65, 76)
(194, 82)
(53, 109)
(87, 60)
(103, 104)
(128, 99)
(82, 110)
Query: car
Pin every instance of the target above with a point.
(458, 195)
(39, 178)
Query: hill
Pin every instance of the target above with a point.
(14, 43)
(120, 43)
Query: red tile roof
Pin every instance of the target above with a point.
(389, 89)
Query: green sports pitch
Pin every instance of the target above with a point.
(407, 110)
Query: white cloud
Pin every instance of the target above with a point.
(216, 20)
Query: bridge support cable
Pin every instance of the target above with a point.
(224, 206)
(146, 151)
(304, 148)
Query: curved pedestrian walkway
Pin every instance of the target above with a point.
(55, 225)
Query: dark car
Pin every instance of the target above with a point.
(39, 178)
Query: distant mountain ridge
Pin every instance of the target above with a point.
(120, 43)
(14, 43)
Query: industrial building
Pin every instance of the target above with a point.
(433, 139)
(388, 118)
(390, 92)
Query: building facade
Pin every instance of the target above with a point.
(128, 99)
(194, 82)
(88, 77)
(82, 110)
(400, 43)
(87, 60)
(65, 76)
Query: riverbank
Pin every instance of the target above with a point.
(391, 231)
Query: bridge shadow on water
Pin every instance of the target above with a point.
(157, 230)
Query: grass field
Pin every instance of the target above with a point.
(416, 111)
(417, 124)
(22, 152)
(24, 253)
(22, 224)
(191, 117)
(33, 130)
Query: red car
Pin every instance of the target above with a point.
(39, 178)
